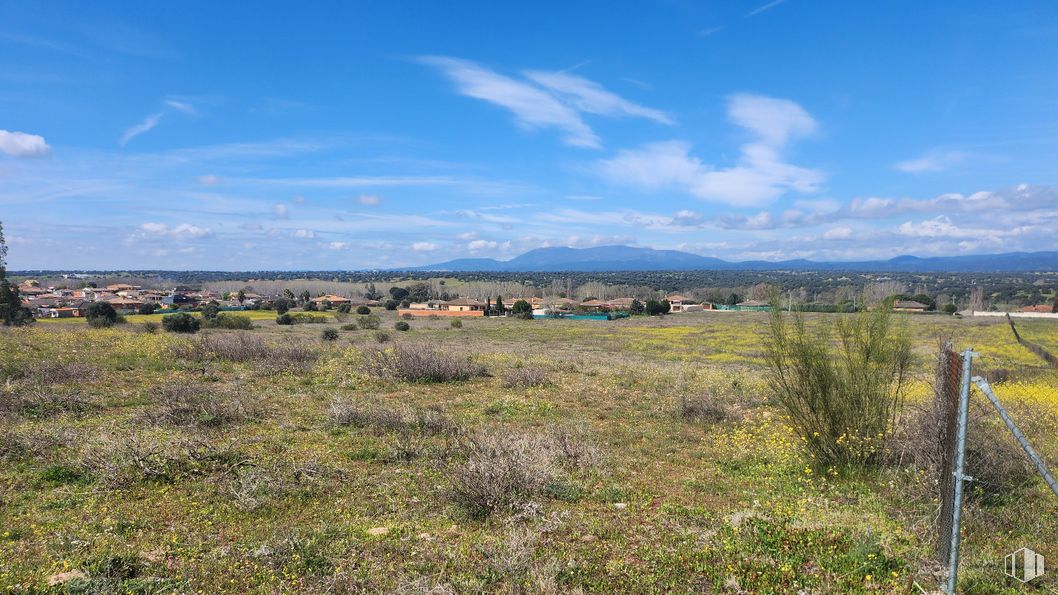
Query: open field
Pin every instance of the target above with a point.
(270, 460)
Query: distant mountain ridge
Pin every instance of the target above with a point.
(631, 258)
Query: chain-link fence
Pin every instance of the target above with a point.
(1007, 511)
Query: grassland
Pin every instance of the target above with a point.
(118, 474)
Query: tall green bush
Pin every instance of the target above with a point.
(841, 384)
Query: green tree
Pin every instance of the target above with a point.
(499, 306)
(180, 323)
(636, 307)
(101, 314)
(241, 296)
(305, 297)
(398, 293)
(12, 312)
(210, 310)
(521, 307)
(288, 294)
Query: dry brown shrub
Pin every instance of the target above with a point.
(201, 405)
(56, 372)
(709, 406)
(241, 347)
(502, 469)
(36, 401)
(420, 363)
(526, 377)
(128, 456)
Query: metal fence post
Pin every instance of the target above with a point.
(960, 467)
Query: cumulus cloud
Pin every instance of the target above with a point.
(181, 231)
(337, 245)
(476, 245)
(424, 247)
(21, 144)
(306, 234)
(369, 199)
(838, 233)
(544, 99)
(761, 175)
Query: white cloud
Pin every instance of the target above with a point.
(280, 211)
(764, 7)
(146, 125)
(369, 199)
(775, 120)
(933, 161)
(589, 96)
(181, 106)
(209, 180)
(838, 233)
(476, 245)
(424, 246)
(182, 231)
(306, 234)
(532, 106)
(760, 176)
(469, 235)
(338, 245)
(21, 144)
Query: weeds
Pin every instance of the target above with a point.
(197, 405)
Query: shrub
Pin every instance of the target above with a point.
(180, 323)
(198, 405)
(101, 315)
(150, 327)
(284, 320)
(228, 321)
(122, 458)
(525, 377)
(350, 327)
(391, 304)
(656, 308)
(37, 402)
(210, 310)
(344, 308)
(57, 372)
(382, 336)
(369, 322)
(502, 469)
(402, 326)
(841, 399)
(363, 310)
(148, 308)
(245, 347)
(708, 406)
(310, 307)
(457, 323)
(419, 363)
(636, 307)
(329, 334)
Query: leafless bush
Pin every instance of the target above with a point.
(252, 485)
(709, 406)
(130, 456)
(201, 405)
(420, 363)
(42, 402)
(56, 372)
(501, 469)
(525, 377)
(361, 413)
(365, 414)
(24, 443)
(246, 347)
(515, 560)
(574, 448)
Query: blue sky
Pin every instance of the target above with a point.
(347, 136)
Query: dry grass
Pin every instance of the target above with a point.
(120, 459)
(42, 402)
(269, 358)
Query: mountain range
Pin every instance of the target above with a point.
(631, 258)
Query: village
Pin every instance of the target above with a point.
(58, 301)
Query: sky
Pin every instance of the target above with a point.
(340, 136)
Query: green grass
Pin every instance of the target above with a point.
(287, 500)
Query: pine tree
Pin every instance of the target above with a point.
(499, 305)
(12, 313)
